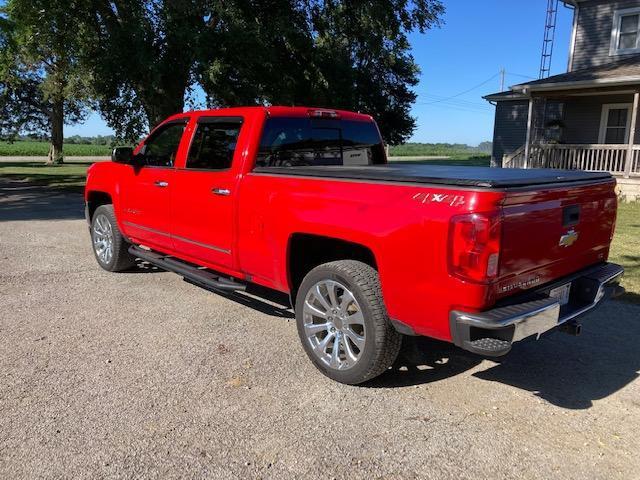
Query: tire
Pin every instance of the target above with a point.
(106, 237)
(353, 315)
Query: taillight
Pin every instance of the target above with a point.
(474, 246)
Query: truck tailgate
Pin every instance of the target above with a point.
(553, 232)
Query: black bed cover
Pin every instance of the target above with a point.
(483, 177)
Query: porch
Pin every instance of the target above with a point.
(585, 119)
(619, 159)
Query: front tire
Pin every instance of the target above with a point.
(109, 246)
(343, 323)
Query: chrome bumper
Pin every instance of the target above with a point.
(493, 332)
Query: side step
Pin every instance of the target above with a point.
(190, 272)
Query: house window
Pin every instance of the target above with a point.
(625, 36)
(614, 123)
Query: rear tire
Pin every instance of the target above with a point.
(109, 245)
(340, 303)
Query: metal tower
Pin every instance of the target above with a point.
(549, 35)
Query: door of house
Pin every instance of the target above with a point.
(614, 123)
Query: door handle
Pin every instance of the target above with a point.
(161, 184)
(221, 191)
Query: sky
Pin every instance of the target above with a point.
(460, 62)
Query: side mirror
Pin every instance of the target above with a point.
(122, 155)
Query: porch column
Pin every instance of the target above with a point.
(527, 145)
(632, 135)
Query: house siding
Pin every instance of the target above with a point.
(593, 33)
(582, 117)
(510, 128)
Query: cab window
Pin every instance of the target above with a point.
(214, 144)
(294, 142)
(161, 148)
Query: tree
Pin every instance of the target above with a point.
(363, 55)
(350, 55)
(146, 56)
(43, 86)
(142, 55)
(258, 52)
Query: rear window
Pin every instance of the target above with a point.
(296, 142)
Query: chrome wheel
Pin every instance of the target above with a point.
(103, 238)
(334, 324)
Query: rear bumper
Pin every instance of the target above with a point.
(493, 332)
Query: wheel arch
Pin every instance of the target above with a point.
(306, 251)
(94, 199)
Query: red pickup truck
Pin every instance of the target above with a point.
(302, 201)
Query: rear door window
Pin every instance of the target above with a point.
(214, 144)
(294, 142)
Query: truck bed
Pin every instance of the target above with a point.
(478, 177)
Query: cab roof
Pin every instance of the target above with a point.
(277, 111)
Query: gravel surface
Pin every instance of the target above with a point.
(143, 375)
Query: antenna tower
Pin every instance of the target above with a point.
(549, 35)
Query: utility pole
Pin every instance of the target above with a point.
(502, 73)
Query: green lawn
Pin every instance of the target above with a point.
(28, 149)
(625, 249)
(69, 175)
(433, 149)
(458, 160)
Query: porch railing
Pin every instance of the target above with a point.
(591, 157)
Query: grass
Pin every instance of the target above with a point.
(458, 160)
(625, 249)
(71, 176)
(30, 149)
(433, 149)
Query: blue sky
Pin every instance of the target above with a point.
(477, 39)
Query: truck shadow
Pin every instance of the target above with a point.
(566, 371)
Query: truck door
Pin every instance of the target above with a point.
(148, 187)
(203, 198)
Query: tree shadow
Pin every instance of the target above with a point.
(566, 371)
(25, 201)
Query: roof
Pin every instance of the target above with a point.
(619, 73)
(504, 96)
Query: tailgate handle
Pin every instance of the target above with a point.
(570, 215)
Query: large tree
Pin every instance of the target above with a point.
(342, 54)
(363, 54)
(42, 84)
(142, 54)
(147, 55)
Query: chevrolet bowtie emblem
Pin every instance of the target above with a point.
(568, 238)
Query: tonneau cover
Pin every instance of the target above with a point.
(483, 177)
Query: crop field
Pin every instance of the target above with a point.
(28, 149)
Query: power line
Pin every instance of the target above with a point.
(521, 75)
(466, 91)
(458, 108)
(460, 102)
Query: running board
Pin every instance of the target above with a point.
(190, 272)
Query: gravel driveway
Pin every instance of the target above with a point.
(143, 375)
